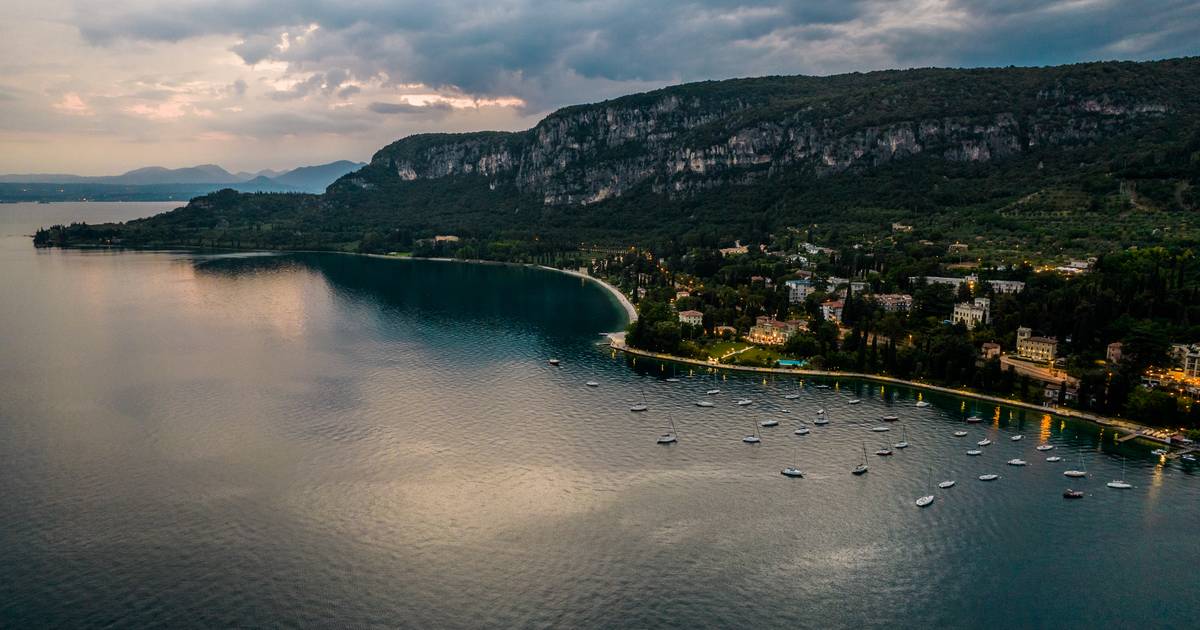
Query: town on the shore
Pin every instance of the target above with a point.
(1114, 334)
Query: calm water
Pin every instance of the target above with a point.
(315, 440)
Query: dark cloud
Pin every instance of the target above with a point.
(551, 53)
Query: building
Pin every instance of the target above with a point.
(798, 290)
(736, 250)
(990, 350)
(954, 282)
(1113, 354)
(770, 331)
(679, 295)
(832, 310)
(894, 302)
(957, 248)
(722, 331)
(693, 318)
(972, 314)
(1035, 348)
(1006, 286)
(1187, 358)
(900, 227)
(445, 238)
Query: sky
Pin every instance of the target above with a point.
(98, 87)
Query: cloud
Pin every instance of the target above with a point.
(72, 104)
(408, 108)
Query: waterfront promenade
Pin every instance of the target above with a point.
(617, 342)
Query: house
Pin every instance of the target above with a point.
(1006, 286)
(1035, 348)
(832, 310)
(990, 350)
(445, 238)
(737, 249)
(957, 248)
(693, 318)
(954, 282)
(833, 282)
(894, 302)
(798, 290)
(974, 313)
(900, 227)
(722, 331)
(679, 295)
(770, 331)
(1113, 354)
(1187, 358)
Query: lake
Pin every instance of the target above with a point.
(200, 439)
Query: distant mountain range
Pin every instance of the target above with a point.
(159, 183)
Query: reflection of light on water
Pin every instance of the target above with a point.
(1044, 428)
(996, 417)
(1154, 488)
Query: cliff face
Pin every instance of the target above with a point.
(681, 140)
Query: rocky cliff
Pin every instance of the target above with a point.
(689, 138)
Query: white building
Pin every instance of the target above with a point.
(1187, 357)
(1035, 348)
(894, 302)
(1006, 286)
(954, 282)
(974, 313)
(799, 290)
(695, 318)
(832, 311)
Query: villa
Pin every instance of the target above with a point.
(692, 318)
(832, 310)
(972, 314)
(1035, 348)
(770, 331)
(894, 302)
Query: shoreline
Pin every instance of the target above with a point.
(617, 342)
(622, 301)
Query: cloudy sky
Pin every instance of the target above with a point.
(102, 86)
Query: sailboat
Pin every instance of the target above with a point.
(960, 433)
(753, 437)
(861, 468)
(592, 384)
(974, 451)
(883, 451)
(927, 499)
(946, 484)
(1082, 472)
(821, 419)
(1054, 458)
(769, 423)
(989, 477)
(853, 401)
(974, 420)
(714, 391)
(984, 442)
(903, 443)
(1017, 437)
(1017, 461)
(881, 429)
(792, 471)
(704, 403)
(921, 404)
(794, 395)
(642, 405)
(745, 401)
(672, 378)
(669, 438)
(1045, 447)
(1120, 484)
(554, 361)
(803, 430)
(890, 418)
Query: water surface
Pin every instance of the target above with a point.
(215, 439)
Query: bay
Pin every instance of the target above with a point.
(199, 439)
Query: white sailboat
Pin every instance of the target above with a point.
(794, 395)
(1017, 437)
(854, 401)
(974, 451)
(861, 468)
(745, 401)
(984, 442)
(927, 499)
(554, 361)
(793, 470)
(669, 438)
(890, 418)
(1120, 484)
(1045, 447)
(989, 477)
(1054, 458)
(903, 443)
(883, 451)
(753, 437)
(1082, 472)
(769, 423)
(946, 484)
(821, 419)
(642, 405)
(1017, 461)
(704, 403)
(921, 404)
(592, 384)
(881, 429)
(803, 430)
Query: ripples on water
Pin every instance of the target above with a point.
(214, 440)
